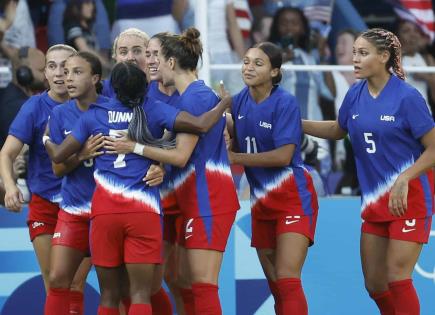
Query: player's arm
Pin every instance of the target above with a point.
(185, 144)
(399, 192)
(13, 197)
(329, 129)
(89, 150)
(278, 157)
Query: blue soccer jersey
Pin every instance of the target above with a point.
(77, 186)
(205, 186)
(385, 132)
(118, 178)
(263, 127)
(29, 126)
(108, 90)
(167, 192)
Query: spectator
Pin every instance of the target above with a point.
(412, 40)
(101, 26)
(150, 16)
(28, 79)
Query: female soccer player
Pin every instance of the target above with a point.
(129, 46)
(393, 138)
(172, 219)
(267, 131)
(203, 183)
(71, 236)
(28, 128)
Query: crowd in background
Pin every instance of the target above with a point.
(306, 36)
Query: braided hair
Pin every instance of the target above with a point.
(130, 83)
(385, 40)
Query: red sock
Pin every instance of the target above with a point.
(126, 302)
(76, 303)
(292, 297)
(107, 311)
(384, 301)
(57, 302)
(161, 303)
(405, 297)
(140, 309)
(274, 290)
(188, 301)
(206, 299)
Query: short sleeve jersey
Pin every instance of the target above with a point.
(29, 126)
(266, 126)
(78, 185)
(385, 134)
(167, 192)
(205, 187)
(118, 178)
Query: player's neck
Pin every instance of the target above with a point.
(85, 101)
(60, 98)
(183, 80)
(260, 92)
(377, 83)
(167, 90)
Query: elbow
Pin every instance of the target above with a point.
(181, 161)
(284, 161)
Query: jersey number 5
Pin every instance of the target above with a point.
(368, 137)
(119, 162)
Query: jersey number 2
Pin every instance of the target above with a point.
(119, 162)
(368, 137)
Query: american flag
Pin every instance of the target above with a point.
(419, 12)
(318, 10)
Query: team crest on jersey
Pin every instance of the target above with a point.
(265, 125)
(387, 118)
(119, 117)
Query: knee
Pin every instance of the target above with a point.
(375, 285)
(288, 270)
(58, 280)
(397, 270)
(110, 297)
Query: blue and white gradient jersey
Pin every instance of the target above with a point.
(385, 134)
(29, 126)
(263, 127)
(205, 186)
(118, 178)
(167, 192)
(78, 185)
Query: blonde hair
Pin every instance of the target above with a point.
(130, 32)
(61, 47)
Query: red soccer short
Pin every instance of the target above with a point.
(72, 231)
(131, 238)
(42, 216)
(207, 232)
(172, 227)
(413, 230)
(265, 232)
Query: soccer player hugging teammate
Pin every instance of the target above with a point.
(71, 238)
(203, 183)
(393, 139)
(28, 128)
(267, 130)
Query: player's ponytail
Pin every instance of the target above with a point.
(385, 40)
(185, 48)
(130, 83)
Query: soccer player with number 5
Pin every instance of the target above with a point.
(393, 139)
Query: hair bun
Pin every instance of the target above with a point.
(191, 34)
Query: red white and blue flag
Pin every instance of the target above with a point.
(419, 12)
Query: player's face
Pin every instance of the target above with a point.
(131, 48)
(256, 68)
(343, 49)
(166, 69)
(367, 60)
(55, 72)
(152, 59)
(79, 78)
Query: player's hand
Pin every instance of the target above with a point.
(14, 199)
(154, 175)
(92, 147)
(121, 145)
(225, 95)
(398, 202)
